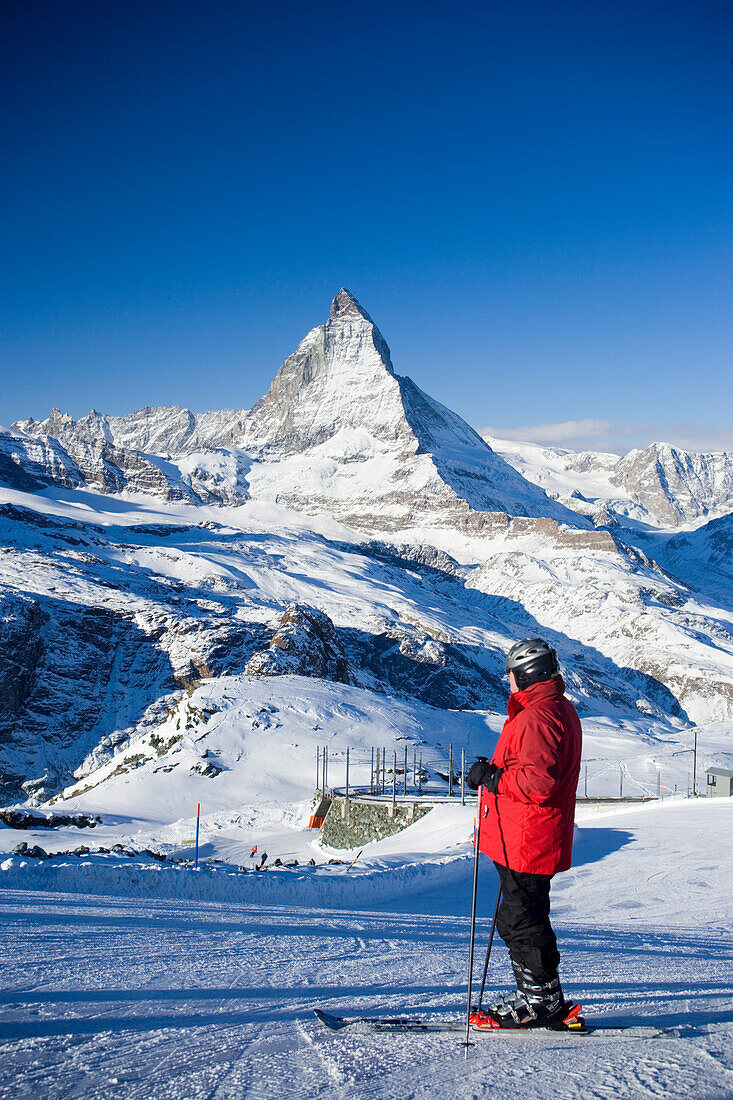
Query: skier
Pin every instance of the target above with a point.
(526, 828)
(253, 853)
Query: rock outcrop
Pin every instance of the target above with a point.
(304, 644)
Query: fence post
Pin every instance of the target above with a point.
(463, 777)
(371, 774)
(450, 770)
(318, 767)
(419, 777)
(325, 768)
(586, 780)
(404, 783)
(347, 772)
(659, 784)
(384, 770)
(414, 768)
(620, 781)
(394, 782)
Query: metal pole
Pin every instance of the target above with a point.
(384, 770)
(371, 774)
(394, 781)
(325, 768)
(450, 770)
(419, 777)
(488, 949)
(586, 780)
(620, 781)
(694, 766)
(198, 821)
(347, 772)
(404, 781)
(318, 767)
(414, 767)
(463, 777)
(659, 784)
(477, 831)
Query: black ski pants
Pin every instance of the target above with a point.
(523, 922)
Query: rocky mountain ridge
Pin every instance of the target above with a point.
(660, 485)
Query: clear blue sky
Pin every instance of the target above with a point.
(534, 200)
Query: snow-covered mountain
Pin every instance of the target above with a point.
(337, 428)
(660, 485)
(348, 527)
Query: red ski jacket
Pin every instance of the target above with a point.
(528, 825)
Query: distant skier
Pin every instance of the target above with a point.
(253, 853)
(526, 828)
(263, 860)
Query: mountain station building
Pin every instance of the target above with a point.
(719, 783)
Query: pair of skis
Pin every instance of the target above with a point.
(400, 1025)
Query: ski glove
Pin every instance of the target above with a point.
(478, 772)
(491, 783)
(484, 774)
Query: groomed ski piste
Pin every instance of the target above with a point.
(126, 975)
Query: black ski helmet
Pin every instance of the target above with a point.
(530, 661)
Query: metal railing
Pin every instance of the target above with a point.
(418, 772)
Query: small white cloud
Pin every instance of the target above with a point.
(608, 435)
(568, 430)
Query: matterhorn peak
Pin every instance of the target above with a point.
(339, 378)
(345, 305)
(338, 400)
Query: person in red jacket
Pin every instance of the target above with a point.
(526, 827)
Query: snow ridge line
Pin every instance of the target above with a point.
(335, 888)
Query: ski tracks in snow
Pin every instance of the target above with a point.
(161, 999)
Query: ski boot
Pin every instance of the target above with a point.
(518, 1014)
(533, 1004)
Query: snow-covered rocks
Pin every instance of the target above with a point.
(304, 644)
(675, 486)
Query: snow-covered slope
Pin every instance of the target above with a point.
(107, 968)
(103, 622)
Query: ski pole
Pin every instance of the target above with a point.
(198, 822)
(488, 949)
(466, 1044)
